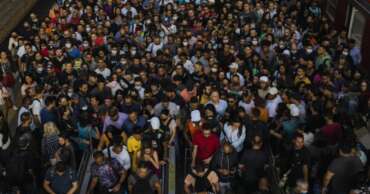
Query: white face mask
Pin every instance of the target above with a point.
(40, 69)
(309, 50)
(68, 45)
(185, 43)
(114, 52)
(133, 52)
(86, 45)
(345, 53)
(138, 87)
(214, 69)
(70, 94)
(88, 29)
(254, 42)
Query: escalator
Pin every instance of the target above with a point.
(167, 171)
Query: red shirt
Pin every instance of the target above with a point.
(333, 132)
(206, 146)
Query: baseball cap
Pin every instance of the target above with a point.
(195, 116)
(264, 79)
(294, 110)
(154, 123)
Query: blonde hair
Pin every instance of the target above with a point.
(50, 129)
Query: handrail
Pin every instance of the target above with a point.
(164, 179)
(273, 173)
(84, 164)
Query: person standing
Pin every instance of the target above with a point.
(144, 181)
(252, 166)
(107, 175)
(60, 179)
(342, 172)
(205, 144)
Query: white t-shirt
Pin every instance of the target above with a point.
(189, 66)
(272, 106)
(123, 158)
(247, 106)
(153, 48)
(105, 72)
(133, 11)
(37, 105)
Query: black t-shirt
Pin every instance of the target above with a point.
(254, 162)
(345, 171)
(297, 160)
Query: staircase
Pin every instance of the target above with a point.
(11, 13)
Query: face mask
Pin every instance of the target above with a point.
(86, 45)
(161, 34)
(138, 87)
(214, 69)
(254, 42)
(281, 46)
(185, 43)
(123, 62)
(114, 52)
(309, 51)
(68, 45)
(225, 41)
(133, 52)
(88, 29)
(237, 31)
(40, 69)
(345, 53)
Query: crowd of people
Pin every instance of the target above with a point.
(235, 87)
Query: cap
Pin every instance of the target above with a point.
(273, 91)
(294, 110)
(195, 116)
(264, 79)
(154, 123)
(233, 65)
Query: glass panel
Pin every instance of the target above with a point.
(357, 26)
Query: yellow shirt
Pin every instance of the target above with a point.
(133, 147)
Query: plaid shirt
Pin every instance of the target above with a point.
(107, 173)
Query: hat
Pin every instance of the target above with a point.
(195, 116)
(273, 91)
(233, 65)
(264, 79)
(154, 122)
(294, 110)
(286, 52)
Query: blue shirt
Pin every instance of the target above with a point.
(48, 116)
(356, 56)
(128, 126)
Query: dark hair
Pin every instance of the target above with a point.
(98, 154)
(199, 166)
(345, 148)
(60, 167)
(50, 100)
